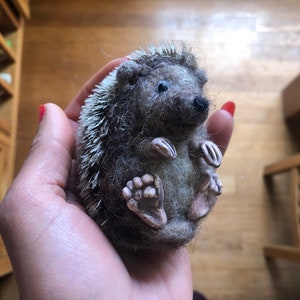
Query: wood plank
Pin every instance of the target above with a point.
(282, 165)
(6, 90)
(283, 252)
(291, 99)
(5, 266)
(23, 7)
(8, 21)
(8, 53)
(16, 84)
(295, 205)
(5, 128)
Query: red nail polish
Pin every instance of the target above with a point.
(42, 110)
(229, 106)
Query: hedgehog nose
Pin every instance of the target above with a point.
(201, 104)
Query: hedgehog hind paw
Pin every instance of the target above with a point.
(144, 196)
(208, 189)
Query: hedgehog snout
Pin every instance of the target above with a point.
(201, 104)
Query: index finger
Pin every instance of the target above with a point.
(73, 109)
(220, 127)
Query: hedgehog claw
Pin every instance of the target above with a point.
(144, 196)
(211, 153)
(164, 148)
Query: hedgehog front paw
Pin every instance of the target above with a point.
(211, 153)
(144, 196)
(163, 147)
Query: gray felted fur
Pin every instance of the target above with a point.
(146, 169)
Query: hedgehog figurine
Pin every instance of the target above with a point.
(146, 169)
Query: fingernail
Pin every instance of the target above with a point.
(229, 106)
(42, 110)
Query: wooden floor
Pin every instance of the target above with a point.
(251, 51)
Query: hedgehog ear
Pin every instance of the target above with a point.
(130, 72)
(189, 60)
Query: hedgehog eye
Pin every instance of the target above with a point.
(163, 87)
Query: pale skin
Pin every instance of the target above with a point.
(56, 249)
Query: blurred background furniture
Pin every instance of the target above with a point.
(291, 100)
(291, 110)
(291, 165)
(12, 18)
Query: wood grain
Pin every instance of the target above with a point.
(251, 51)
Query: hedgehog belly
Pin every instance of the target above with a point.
(124, 228)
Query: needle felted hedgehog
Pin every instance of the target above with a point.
(145, 165)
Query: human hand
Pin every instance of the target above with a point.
(56, 250)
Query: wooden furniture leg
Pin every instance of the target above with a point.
(291, 165)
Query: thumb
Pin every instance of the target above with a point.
(46, 169)
(51, 153)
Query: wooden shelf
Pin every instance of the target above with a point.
(6, 53)
(5, 127)
(12, 20)
(8, 20)
(5, 266)
(6, 90)
(23, 6)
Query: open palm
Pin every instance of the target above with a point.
(56, 249)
